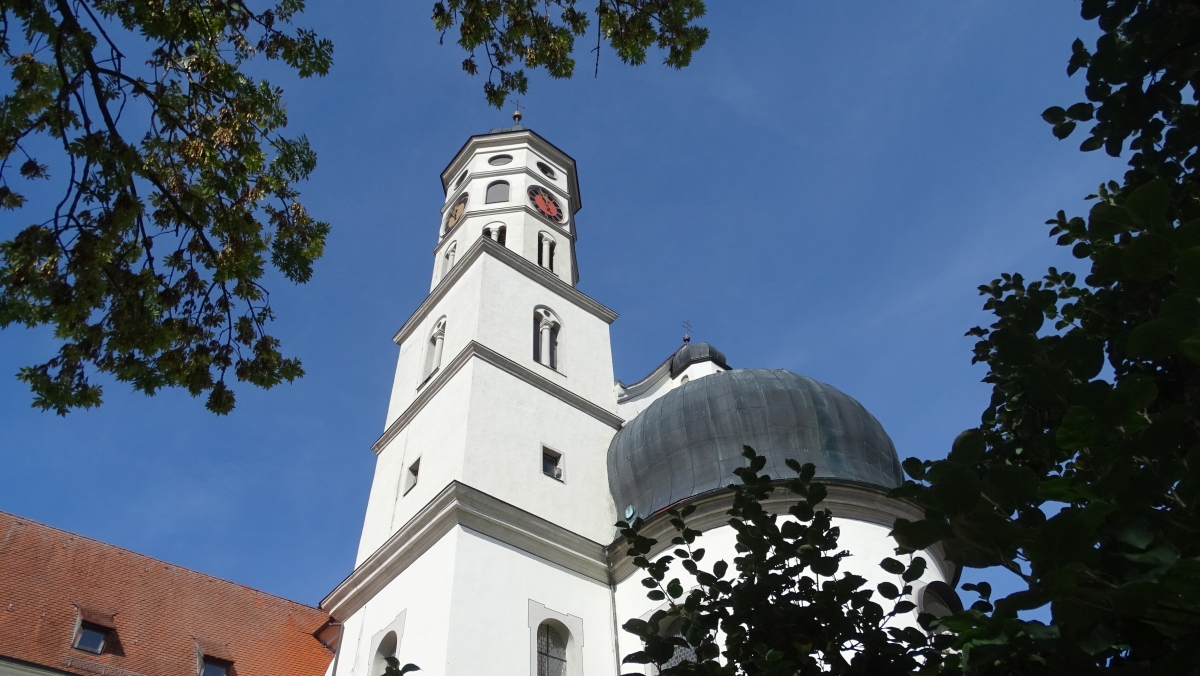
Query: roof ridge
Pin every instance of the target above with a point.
(151, 558)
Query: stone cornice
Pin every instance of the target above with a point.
(845, 499)
(515, 138)
(490, 356)
(538, 178)
(449, 236)
(461, 505)
(516, 262)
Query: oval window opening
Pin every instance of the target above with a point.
(497, 160)
(461, 178)
(546, 169)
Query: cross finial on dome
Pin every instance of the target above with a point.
(687, 331)
(517, 112)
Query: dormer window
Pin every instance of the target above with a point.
(212, 666)
(90, 638)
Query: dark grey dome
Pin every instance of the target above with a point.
(693, 353)
(690, 440)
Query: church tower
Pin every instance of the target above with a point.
(509, 451)
(491, 497)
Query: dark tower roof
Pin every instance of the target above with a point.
(690, 440)
(693, 353)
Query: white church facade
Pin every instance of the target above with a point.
(509, 451)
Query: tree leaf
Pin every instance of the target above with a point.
(1079, 429)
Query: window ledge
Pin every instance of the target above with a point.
(551, 369)
(428, 378)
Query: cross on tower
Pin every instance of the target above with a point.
(687, 331)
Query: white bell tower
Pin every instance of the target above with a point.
(483, 540)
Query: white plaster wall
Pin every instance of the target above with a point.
(493, 585)
(507, 301)
(867, 543)
(438, 436)
(510, 422)
(466, 605)
(423, 591)
(460, 306)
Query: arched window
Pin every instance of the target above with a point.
(545, 337)
(496, 232)
(551, 651)
(546, 250)
(433, 349)
(496, 192)
(387, 648)
(682, 653)
(448, 259)
(939, 600)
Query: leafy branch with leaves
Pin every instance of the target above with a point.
(518, 34)
(178, 187)
(782, 609)
(1083, 479)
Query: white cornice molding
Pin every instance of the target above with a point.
(450, 234)
(845, 499)
(461, 505)
(520, 169)
(490, 356)
(515, 261)
(516, 138)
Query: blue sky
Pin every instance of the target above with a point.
(822, 191)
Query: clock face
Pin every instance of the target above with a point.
(546, 204)
(456, 213)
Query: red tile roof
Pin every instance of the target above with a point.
(162, 614)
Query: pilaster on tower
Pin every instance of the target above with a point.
(515, 188)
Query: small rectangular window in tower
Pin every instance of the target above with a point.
(90, 638)
(410, 477)
(552, 464)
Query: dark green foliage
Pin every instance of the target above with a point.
(1084, 477)
(515, 35)
(177, 189)
(784, 610)
(393, 667)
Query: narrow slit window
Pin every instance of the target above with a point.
(411, 476)
(552, 464)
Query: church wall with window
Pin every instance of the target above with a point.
(504, 634)
(419, 592)
(504, 449)
(508, 299)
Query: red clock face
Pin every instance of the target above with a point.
(546, 204)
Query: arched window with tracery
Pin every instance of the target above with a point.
(386, 649)
(545, 337)
(546, 248)
(551, 651)
(433, 349)
(496, 192)
(497, 232)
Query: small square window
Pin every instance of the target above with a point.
(90, 639)
(214, 667)
(411, 476)
(552, 464)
